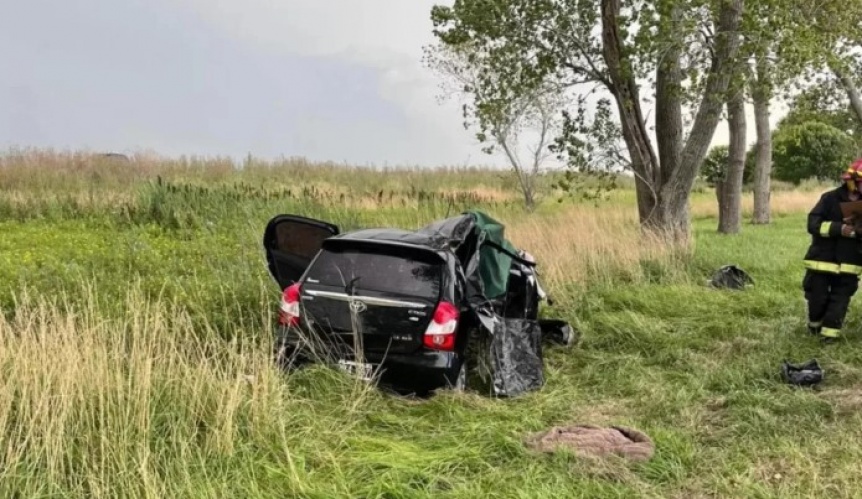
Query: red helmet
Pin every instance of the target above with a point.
(854, 172)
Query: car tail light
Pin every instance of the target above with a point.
(288, 314)
(440, 334)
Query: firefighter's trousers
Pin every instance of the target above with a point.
(828, 297)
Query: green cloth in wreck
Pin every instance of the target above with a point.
(494, 265)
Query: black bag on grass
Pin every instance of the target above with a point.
(730, 277)
(807, 374)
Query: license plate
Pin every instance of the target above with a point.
(358, 369)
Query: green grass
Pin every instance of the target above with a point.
(129, 334)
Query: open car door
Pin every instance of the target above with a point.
(291, 242)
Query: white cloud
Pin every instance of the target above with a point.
(385, 35)
(325, 27)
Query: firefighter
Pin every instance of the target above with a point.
(834, 259)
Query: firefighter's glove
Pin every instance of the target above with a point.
(848, 230)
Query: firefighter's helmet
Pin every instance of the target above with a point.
(853, 175)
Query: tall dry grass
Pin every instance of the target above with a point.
(781, 203)
(144, 407)
(47, 167)
(585, 243)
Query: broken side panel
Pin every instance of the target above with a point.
(516, 357)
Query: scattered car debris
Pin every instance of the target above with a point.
(595, 441)
(516, 351)
(407, 304)
(730, 277)
(807, 374)
(557, 332)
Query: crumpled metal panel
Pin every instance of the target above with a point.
(516, 357)
(450, 232)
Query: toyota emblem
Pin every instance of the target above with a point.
(357, 306)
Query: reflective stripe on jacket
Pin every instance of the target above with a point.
(830, 251)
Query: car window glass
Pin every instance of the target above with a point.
(300, 239)
(379, 270)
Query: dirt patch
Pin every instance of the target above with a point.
(774, 471)
(595, 441)
(713, 417)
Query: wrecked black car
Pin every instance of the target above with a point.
(417, 310)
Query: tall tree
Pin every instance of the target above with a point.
(784, 39)
(761, 95)
(520, 129)
(730, 194)
(730, 189)
(832, 28)
(683, 47)
(776, 50)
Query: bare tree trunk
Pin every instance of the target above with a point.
(522, 176)
(668, 113)
(669, 185)
(719, 193)
(714, 95)
(625, 91)
(763, 166)
(529, 195)
(673, 220)
(730, 202)
(852, 92)
(647, 199)
(676, 191)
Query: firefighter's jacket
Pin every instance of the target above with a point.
(830, 251)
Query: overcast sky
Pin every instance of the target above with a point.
(325, 79)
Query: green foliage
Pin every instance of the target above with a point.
(714, 167)
(811, 150)
(750, 165)
(825, 104)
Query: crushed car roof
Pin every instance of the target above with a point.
(389, 236)
(440, 235)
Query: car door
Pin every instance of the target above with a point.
(291, 243)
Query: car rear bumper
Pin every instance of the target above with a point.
(419, 371)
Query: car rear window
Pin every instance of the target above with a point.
(389, 270)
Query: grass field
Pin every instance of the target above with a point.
(135, 346)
